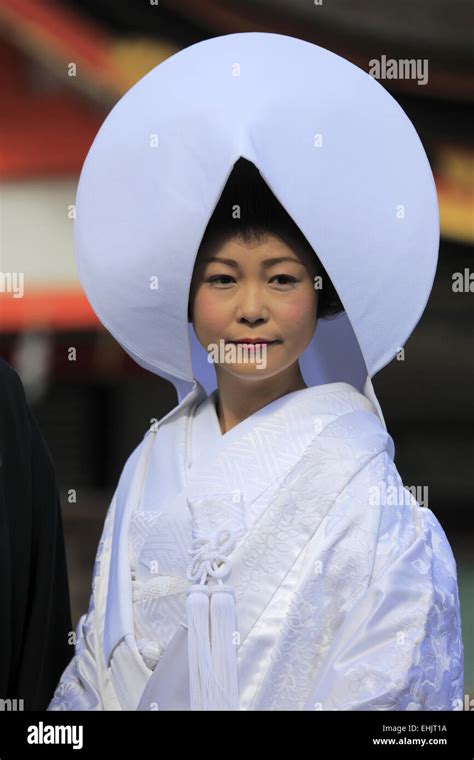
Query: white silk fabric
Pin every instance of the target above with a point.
(346, 590)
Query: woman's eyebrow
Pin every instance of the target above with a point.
(266, 264)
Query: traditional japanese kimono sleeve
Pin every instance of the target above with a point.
(79, 688)
(81, 684)
(400, 646)
(85, 683)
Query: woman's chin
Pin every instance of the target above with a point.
(249, 370)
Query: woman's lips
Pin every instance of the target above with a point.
(254, 342)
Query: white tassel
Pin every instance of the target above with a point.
(225, 687)
(212, 654)
(199, 647)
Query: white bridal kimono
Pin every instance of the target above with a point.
(283, 565)
(346, 593)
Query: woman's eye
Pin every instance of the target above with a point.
(289, 279)
(221, 277)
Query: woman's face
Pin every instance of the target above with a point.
(262, 290)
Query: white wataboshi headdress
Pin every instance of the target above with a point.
(333, 146)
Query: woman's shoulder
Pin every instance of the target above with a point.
(349, 420)
(410, 533)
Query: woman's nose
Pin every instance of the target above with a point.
(251, 305)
